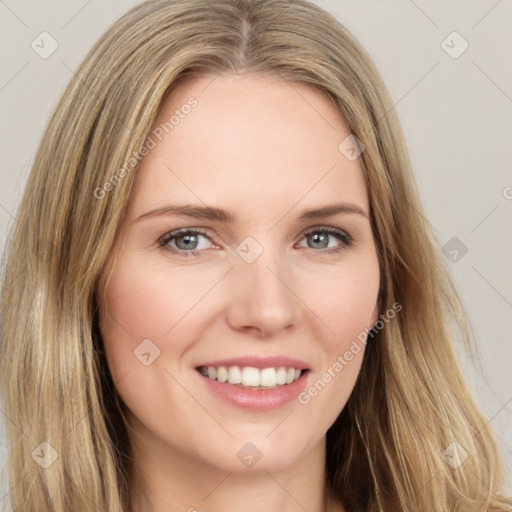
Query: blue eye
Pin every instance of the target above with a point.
(187, 242)
(318, 238)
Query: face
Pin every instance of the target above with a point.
(246, 254)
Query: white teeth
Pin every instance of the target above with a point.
(268, 377)
(251, 377)
(234, 375)
(281, 376)
(222, 374)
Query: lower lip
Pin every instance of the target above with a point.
(257, 399)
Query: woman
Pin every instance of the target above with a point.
(229, 297)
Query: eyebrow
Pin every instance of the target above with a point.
(225, 216)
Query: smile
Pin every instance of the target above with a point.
(250, 377)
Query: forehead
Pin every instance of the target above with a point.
(256, 142)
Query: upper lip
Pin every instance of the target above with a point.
(259, 362)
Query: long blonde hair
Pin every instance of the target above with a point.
(385, 450)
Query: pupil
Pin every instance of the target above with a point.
(188, 241)
(320, 238)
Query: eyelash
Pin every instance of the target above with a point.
(342, 236)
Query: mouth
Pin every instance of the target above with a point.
(250, 377)
(255, 385)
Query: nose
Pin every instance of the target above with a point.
(262, 297)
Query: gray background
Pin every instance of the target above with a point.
(456, 113)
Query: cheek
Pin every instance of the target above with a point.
(135, 308)
(140, 306)
(345, 303)
(143, 301)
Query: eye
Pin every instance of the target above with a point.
(185, 242)
(190, 242)
(321, 238)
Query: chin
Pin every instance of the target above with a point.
(255, 454)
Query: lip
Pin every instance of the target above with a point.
(255, 399)
(258, 362)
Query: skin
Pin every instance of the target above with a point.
(266, 150)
